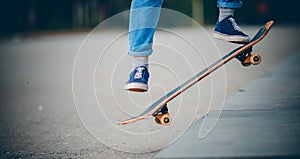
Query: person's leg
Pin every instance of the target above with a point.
(226, 27)
(229, 4)
(144, 16)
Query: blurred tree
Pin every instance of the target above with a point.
(36, 15)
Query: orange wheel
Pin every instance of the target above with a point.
(157, 119)
(247, 61)
(255, 59)
(246, 64)
(165, 119)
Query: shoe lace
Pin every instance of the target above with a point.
(234, 24)
(139, 72)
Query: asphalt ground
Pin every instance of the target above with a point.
(265, 124)
(61, 98)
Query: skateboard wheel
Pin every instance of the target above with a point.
(247, 61)
(163, 119)
(157, 119)
(246, 64)
(255, 59)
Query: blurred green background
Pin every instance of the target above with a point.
(27, 16)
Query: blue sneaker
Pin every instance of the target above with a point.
(138, 80)
(228, 30)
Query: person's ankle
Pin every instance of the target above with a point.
(140, 61)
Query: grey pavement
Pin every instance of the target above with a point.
(39, 117)
(261, 120)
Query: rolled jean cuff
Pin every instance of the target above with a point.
(229, 5)
(143, 50)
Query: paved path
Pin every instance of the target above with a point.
(261, 120)
(38, 118)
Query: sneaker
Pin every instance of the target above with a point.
(228, 30)
(138, 80)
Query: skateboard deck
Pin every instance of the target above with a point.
(159, 109)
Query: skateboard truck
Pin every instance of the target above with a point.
(247, 58)
(162, 116)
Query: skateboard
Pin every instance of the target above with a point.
(159, 109)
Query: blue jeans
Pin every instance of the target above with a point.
(229, 4)
(144, 16)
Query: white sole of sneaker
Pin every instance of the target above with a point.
(231, 38)
(136, 87)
